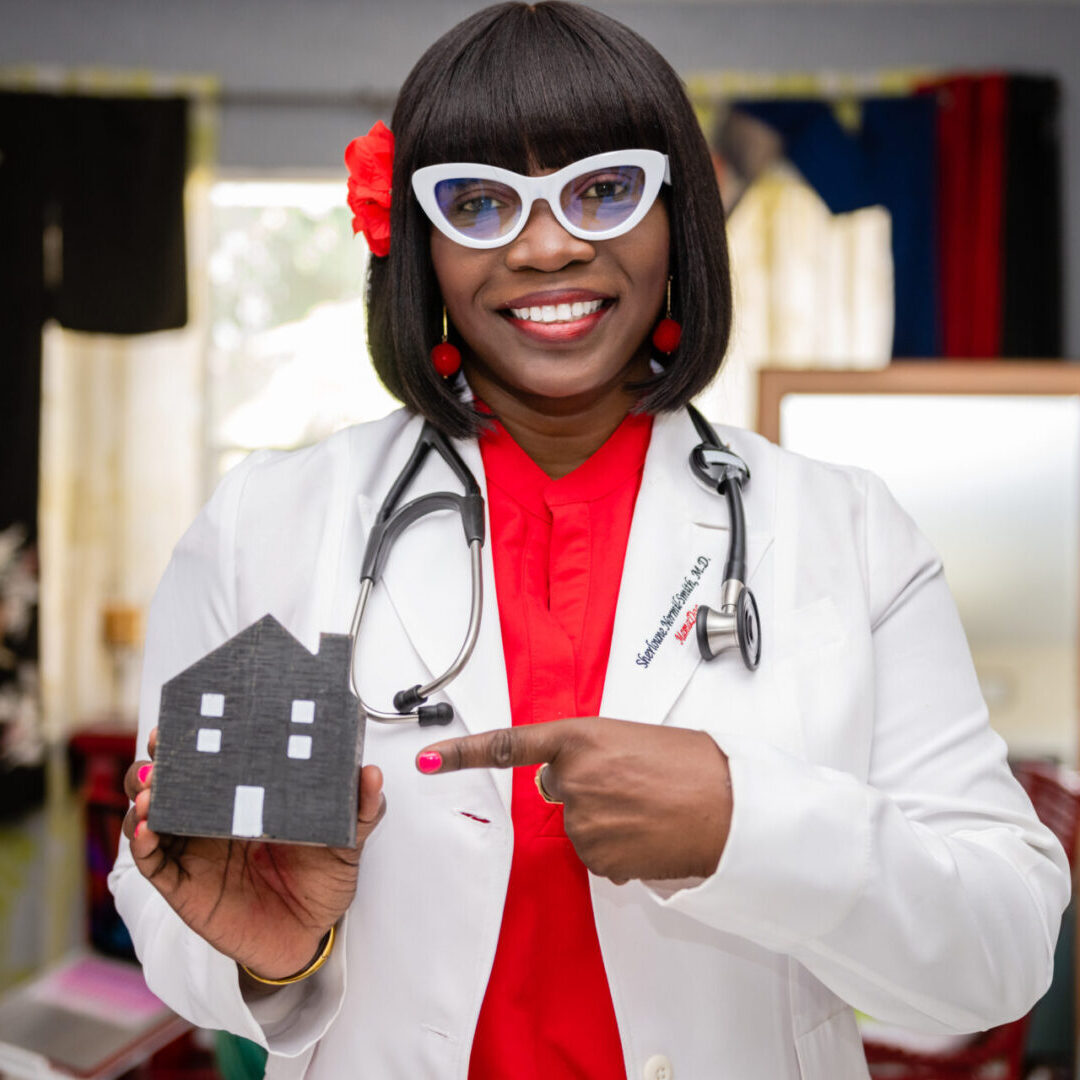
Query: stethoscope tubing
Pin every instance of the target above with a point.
(391, 520)
(409, 703)
(736, 624)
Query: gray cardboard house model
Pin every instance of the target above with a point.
(260, 739)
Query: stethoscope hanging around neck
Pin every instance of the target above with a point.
(392, 520)
(736, 624)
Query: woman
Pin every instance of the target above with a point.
(715, 864)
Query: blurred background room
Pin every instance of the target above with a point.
(180, 286)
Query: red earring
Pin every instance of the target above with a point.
(668, 332)
(446, 357)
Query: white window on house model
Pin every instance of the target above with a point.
(208, 740)
(213, 705)
(303, 712)
(300, 747)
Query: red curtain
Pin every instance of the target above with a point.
(971, 199)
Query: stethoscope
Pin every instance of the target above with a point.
(734, 625)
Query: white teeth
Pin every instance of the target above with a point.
(551, 313)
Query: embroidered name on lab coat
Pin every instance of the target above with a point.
(670, 617)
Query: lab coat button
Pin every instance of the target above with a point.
(658, 1068)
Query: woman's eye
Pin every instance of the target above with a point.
(478, 204)
(605, 189)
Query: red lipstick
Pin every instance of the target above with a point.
(555, 332)
(565, 330)
(554, 296)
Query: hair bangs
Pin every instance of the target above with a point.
(537, 89)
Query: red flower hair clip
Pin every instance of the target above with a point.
(370, 160)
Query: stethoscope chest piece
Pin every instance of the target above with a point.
(748, 629)
(735, 624)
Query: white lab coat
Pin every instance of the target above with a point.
(880, 856)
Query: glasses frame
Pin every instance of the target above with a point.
(530, 189)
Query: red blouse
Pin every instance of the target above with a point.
(558, 548)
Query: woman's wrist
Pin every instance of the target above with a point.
(318, 958)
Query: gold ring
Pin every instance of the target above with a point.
(539, 778)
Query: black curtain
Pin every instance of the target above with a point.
(1033, 309)
(92, 234)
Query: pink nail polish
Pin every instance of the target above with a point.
(139, 828)
(430, 761)
(144, 773)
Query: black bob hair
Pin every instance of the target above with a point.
(538, 86)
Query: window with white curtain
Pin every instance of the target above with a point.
(287, 360)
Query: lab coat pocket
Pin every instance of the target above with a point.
(786, 701)
(832, 1050)
(804, 631)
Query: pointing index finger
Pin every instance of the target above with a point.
(503, 748)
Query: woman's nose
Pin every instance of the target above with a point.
(544, 244)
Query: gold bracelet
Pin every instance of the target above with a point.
(324, 954)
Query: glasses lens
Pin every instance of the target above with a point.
(479, 209)
(603, 199)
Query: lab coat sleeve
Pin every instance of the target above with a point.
(194, 611)
(928, 896)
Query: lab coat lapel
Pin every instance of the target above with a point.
(426, 583)
(674, 562)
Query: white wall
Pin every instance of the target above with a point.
(337, 46)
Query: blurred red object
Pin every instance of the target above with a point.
(184, 1059)
(100, 756)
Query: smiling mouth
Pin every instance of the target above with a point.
(559, 324)
(548, 314)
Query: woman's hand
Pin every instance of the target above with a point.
(640, 800)
(268, 906)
